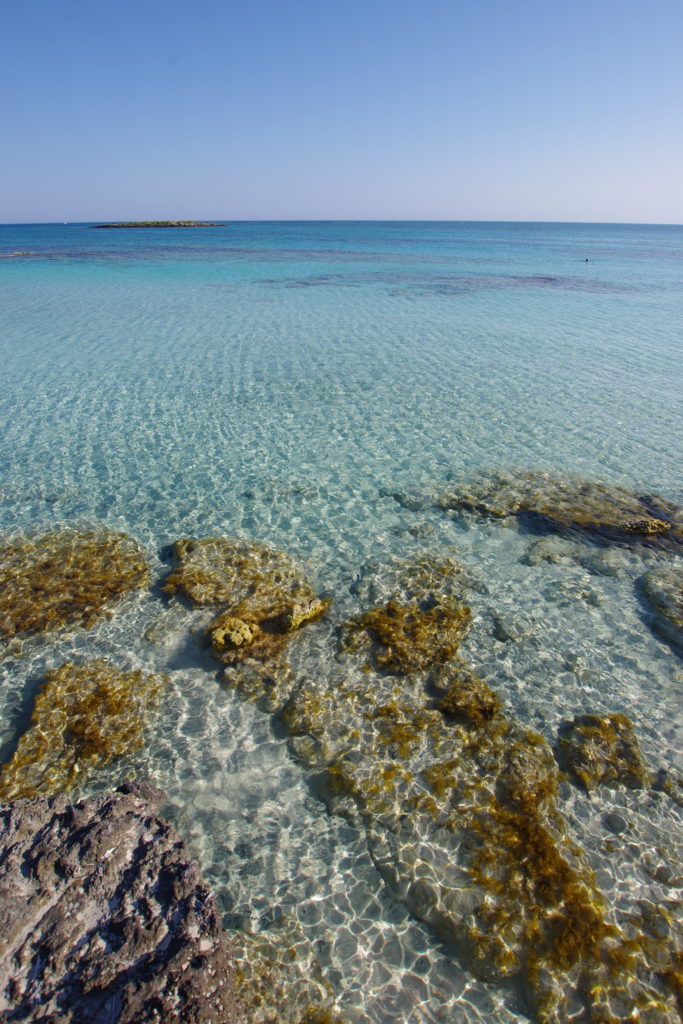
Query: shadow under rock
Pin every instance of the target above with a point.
(657, 620)
(20, 719)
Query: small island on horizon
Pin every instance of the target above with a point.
(159, 224)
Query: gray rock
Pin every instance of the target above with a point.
(105, 918)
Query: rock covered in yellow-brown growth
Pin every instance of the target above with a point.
(265, 595)
(585, 507)
(65, 578)
(463, 695)
(602, 750)
(84, 716)
(462, 813)
(410, 637)
(231, 571)
(465, 826)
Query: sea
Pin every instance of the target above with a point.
(291, 383)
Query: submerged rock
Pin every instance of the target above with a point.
(602, 750)
(599, 561)
(600, 511)
(106, 918)
(663, 591)
(424, 578)
(464, 826)
(84, 716)
(409, 637)
(265, 595)
(239, 573)
(65, 578)
(464, 695)
(461, 813)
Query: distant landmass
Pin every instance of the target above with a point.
(159, 224)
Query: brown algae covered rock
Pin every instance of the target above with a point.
(234, 572)
(463, 695)
(84, 716)
(663, 590)
(65, 578)
(464, 826)
(460, 807)
(235, 639)
(463, 822)
(601, 511)
(265, 595)
(410, 637)
(423, 577)
(105, 917)
(602, 750)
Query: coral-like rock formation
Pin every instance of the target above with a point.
(663, 590)
(106, 918)
(600, 511)
(83, 717)
(602, 750)
(65, 578)
(266, 597)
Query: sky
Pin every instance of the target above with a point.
(352, 109)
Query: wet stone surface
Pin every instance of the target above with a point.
(105, 917)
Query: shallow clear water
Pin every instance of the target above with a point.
(281, 382)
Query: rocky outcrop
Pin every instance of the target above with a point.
(159, 224)
(106, 918)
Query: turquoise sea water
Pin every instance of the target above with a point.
(281, 382)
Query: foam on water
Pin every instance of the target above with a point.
(283, 383)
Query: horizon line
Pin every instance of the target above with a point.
(358, 220)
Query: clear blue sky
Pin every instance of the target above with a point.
(425, 109)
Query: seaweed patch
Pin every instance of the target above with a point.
(461, 810)
(83, 717)
(265, 598)
(65, 578)
(602, 750)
